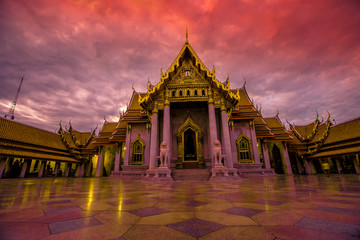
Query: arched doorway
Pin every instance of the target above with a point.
(190, 145)
(189, 142)
(276, 162)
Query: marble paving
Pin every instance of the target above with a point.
(272, 207)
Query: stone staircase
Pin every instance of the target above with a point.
(191, 174)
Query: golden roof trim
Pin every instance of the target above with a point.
(198, 62)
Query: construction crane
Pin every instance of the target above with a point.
(13, 104)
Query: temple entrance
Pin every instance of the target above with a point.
(189, 140)
(190, 158)
(190, 145)
(276, 162)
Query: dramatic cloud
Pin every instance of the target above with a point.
(81, 57)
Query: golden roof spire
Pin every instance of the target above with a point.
(186, 41)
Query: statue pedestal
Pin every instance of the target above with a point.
(219, 172)
(162, 173)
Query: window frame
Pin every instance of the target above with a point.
(244, 152)
(138, 142)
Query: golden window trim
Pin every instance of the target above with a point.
(249, 151)
(133, 149)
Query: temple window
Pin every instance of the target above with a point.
(203, 92)
(180, 93)
(173, 93)
(188, 92)
(137, 156)
(243, 147)
(195, 92)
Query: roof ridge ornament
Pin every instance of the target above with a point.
(70, 127)
(161, 73)
(186, 40)
(149, 85)
(244, 83)
(60, 128)
(133, 87)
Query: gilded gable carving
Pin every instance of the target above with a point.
(187, 74)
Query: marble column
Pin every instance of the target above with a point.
(338, 165)
(42, 167)
(266, 156)
(117, 158)
(24, 168)
(80, 170)
(56, 169)
(307, 167)
(226, 136)
(287, 160)
(212, 126)
(166, 126)
(356, 163)
(67, 169)
(313, 168)
(254, 146)
(127, 145)
(99, 165)
(88, 169)
(2, 167)
(154, 137)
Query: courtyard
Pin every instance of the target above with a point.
(269, 207)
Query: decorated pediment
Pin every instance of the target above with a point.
(188, 77)
(187, 74)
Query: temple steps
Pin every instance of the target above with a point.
(191, 174)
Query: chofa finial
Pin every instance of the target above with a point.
(186, 41)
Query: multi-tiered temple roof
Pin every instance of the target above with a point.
(22, 141)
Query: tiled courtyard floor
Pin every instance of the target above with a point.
(276, 207)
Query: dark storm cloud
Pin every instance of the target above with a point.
(80, 58)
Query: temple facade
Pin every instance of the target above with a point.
(188, 122)
(189, 110)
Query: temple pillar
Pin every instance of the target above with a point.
(117, 158)
(80, 170)
(212, 126)
(338, 165)
(56, 168)
(266, 156)
(2, 167)
(42, 167)
(254, 146)
(100, 164)
(287, 160)
(313, 168)
(307, 167)
(154, 137)
(226, 136)
(24, 168)
(67, 169)
(356, 163)
(166, 126)
(88, 169)
(127, 145)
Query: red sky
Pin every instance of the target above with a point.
(80, 58)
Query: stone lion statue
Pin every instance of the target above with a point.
(164, 149)
(217, 152)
